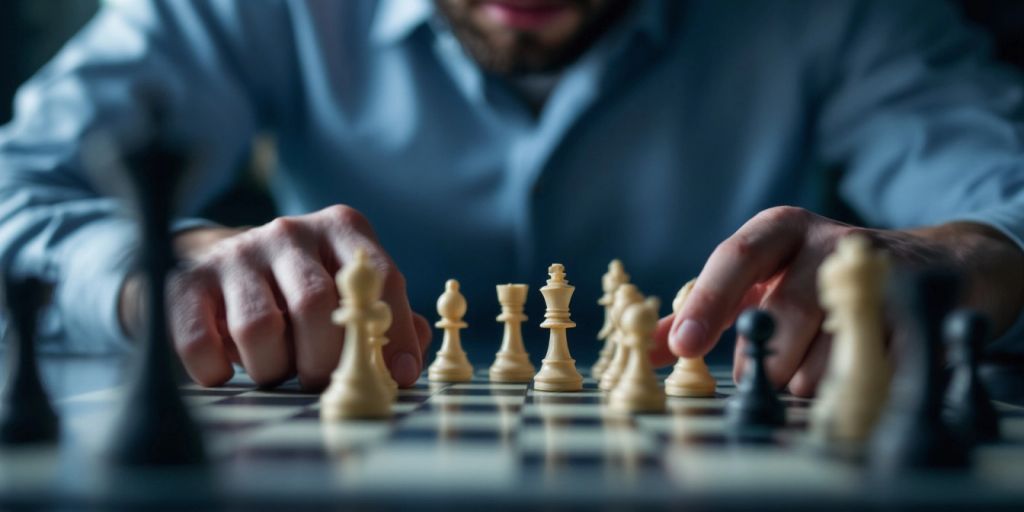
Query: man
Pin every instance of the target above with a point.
(484, 139)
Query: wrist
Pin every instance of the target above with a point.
(993, 264)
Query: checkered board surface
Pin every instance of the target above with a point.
(508, 439)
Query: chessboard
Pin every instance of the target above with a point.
(508, 445)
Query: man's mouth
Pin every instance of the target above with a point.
(529, 15)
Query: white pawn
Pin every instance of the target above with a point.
(690, 376)
(356, 389)
(451, 363)
(512, 363)
(638, 389)
(625, 295)
(378, 337)
(851, 287)
(610, 281)
(558, 368)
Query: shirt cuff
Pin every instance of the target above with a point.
(1008, 219)
(99, 259)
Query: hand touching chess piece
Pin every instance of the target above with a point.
(771, 262)
(357, 389)
(223, 307)
(690, 376)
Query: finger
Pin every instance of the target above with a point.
(739, 359)
(310, 296)
(660, 353)
(256, 325)
(756, 252)
(348, 232)
(193, 304)
(753, 298)
(793, 303)
(423, 332)
(806, 379)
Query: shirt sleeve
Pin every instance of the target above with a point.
(56, 222)
(926, 127)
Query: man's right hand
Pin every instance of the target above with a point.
(262, 297)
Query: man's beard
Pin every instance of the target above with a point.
(526, 53)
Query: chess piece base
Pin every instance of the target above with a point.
(510, 367)
(741, 412)
(450, 368)
(558, 376)
(345, 399)
(691, 380)
(637, 399)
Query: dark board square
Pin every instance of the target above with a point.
(566, 398)
(284, 400)
(454, 408)
(282, 454)
(212, 392)
(482, 392)
(586, 461)
(573, 421)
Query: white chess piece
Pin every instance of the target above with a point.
(638, 389)
(625, 295)
(558, 368)
(512, 363)
(379, 326)
(451, 363)
(610, 281)
(851, 284)
(690, 376)
(356, 389)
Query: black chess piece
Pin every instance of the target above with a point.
(756, 403)
(969, 409)
(26, 416)
(156, 428)
(911, 435)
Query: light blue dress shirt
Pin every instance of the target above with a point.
(676, 127)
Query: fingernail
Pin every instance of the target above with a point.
(690, 333)
(405, 368)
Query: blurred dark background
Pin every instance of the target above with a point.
(31, 31)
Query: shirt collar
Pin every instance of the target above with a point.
(397, 19)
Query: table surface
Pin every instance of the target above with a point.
(457, 446)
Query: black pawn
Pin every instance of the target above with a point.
(911, 434)
(156, 428)
(968, 407)
(26, 416)
(756, 403)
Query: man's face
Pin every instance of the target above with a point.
(528, 36)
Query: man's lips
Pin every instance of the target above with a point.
(525, 14)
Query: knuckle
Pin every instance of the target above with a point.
(284, 228)
(783, 214)
(314, 300)
(347, 216)
(258, 325)
(738, 246)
